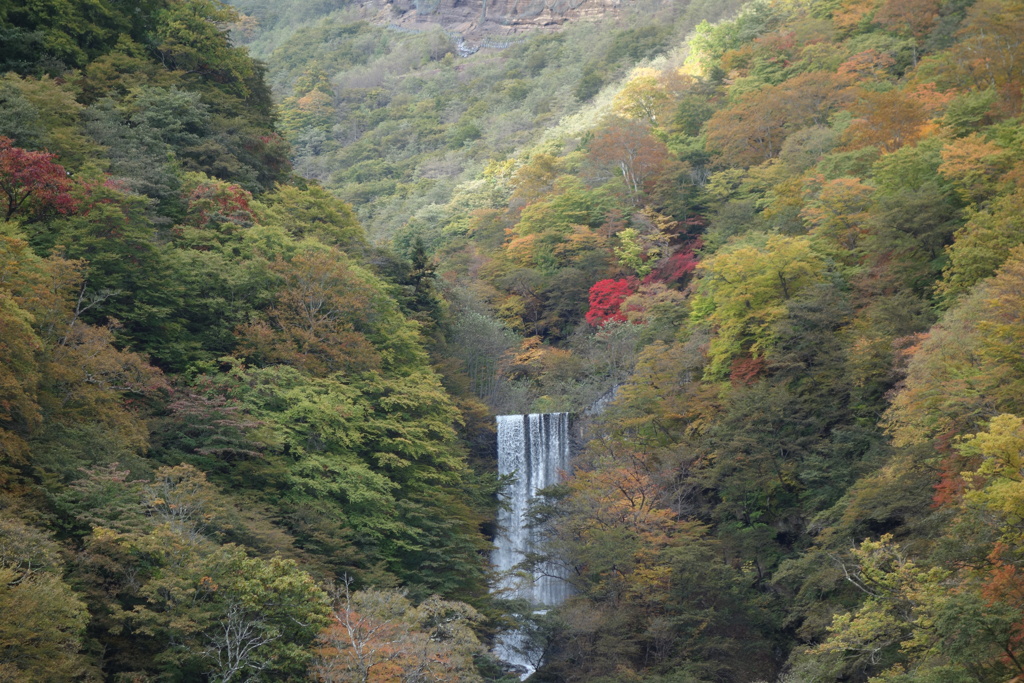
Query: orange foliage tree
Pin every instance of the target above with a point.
(991, 49)
(753, 129)
(887, 120)
(911, 18)
(629, 147)
(319, 318)
(378, 636)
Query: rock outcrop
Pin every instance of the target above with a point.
(493, 23)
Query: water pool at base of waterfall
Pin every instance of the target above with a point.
(512, 648)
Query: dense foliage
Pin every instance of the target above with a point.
(215, 396)
(240, 439)
(811, 471)
(794, 250)
(392, 121)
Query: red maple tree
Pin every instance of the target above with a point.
(678, 266)
(32, 182)
(606, 297)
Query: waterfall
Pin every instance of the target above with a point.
(535, 448)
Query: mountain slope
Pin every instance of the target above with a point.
(381, 114)
(797, 249)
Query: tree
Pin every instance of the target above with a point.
(606, 297)
(629, 147)
(49, 119)
(838, 211)
(918, 622)
(137, 156)
(372, 459)
(320, 318)
(752, 129)
(129, 278)
(216, 435)
(19, 382)
(547, 224)
(652, 591)
(975, 166)
(312, 212)
(216, 213)
(269, 613)
(184, 500)
(645, 97)
(744, 293)
(55, 35)
(535, 178)
(888, 120)
(31, 183)
(989, 50)
(226, 615)
(912, 19)
(867, 641)
(982, 244)
(1001, 329)
(167, 599)
(191, 38)
(311, 111)
(41, 634)
(997, 485)
(68, 394)
(378, 636)
(965, 370)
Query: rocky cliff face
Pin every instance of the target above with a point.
(490, 21)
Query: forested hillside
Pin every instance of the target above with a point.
(242, 437)
(392, 120)
(808, 230)
(793, 246)
(215, 395)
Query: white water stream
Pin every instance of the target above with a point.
(536, 449)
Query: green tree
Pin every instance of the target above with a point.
(744, 293)
(982, 244)
(313, 212)
(41, 634)
(191, 39)
(19, 381)
(230, 616)
(50, 119)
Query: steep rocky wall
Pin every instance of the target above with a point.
(479, 18)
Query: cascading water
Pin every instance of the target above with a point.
(535, 448)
